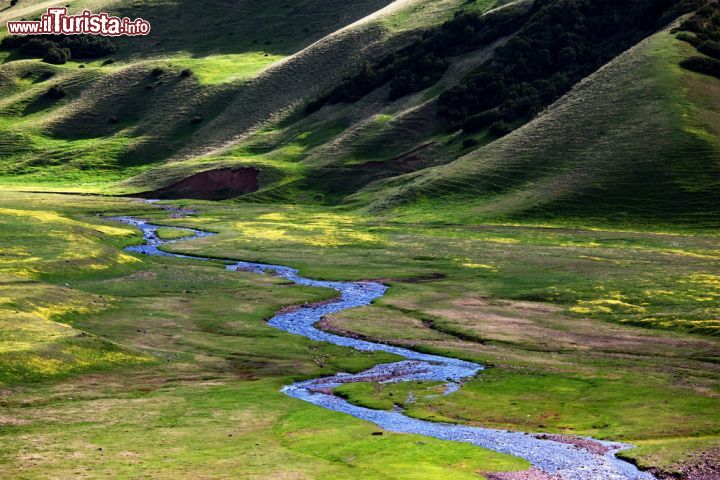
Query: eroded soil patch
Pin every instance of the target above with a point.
(220, 184)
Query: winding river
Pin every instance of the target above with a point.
(555, 457)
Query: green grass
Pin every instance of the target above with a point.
(51, 145)
(125, 361)
(41, 253)
(576, 368)
(249, 428)
(354, 153)
(225, 68)
(591, 277)
(418, 15)
(182, 324)
(173, 233)
(557, 403)
(89, 141)
(669, 453)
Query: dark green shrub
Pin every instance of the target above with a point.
(314, 106)
(710, 48)
(500, 129)
(427, 71)
(86, 46)
(705, 24)
(57, 56)
(37, 47)
(561, 42)
(157, 71)
(11, 42)
(80, 46)
(693, 24)
(704, 65)
(423, 63)
(56, 92)
(469, 143)
(691, 39)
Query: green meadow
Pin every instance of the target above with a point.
(151, 366)
(157, 366)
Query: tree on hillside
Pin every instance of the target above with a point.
(57, 56)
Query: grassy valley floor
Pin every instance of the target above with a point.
(116, 364)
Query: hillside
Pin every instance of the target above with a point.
(398, 155)
(636, 139)
(117, 119)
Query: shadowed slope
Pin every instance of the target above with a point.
(340, 148)
(139, 118)
(637, 137)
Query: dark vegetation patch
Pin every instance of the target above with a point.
(702, 31)
(704, 65)
(220, 184)
(562, 42)
(57, 56)
(470, 142)
(423, 63)
(56, 92)
(556, 44)
(58, 49)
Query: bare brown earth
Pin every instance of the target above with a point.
(702, 466)
(531, 474)
(220, 184)
(326, 325)
(582, 443)
(295, 308)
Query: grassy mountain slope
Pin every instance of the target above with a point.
(121, 115)
(637, 138)
(341, 148)
(251, 63)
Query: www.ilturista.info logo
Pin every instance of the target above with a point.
(57, 22)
